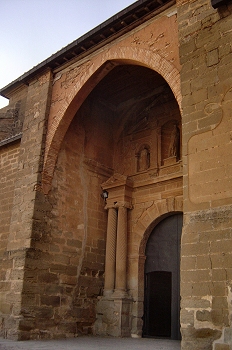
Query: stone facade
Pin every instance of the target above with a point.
(205, 54)
(98, 151)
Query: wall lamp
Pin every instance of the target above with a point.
(104, 194)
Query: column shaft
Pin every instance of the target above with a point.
(110, 251)
(121, 250)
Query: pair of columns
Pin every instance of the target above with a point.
(116, 251)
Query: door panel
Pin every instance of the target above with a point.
(159, 287)
(162, 280)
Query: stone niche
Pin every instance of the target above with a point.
(170, 140)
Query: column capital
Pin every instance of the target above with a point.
(123, 204)
(119, 188)
(118, 204)
(110, 206)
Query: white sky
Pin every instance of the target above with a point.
(32, 30)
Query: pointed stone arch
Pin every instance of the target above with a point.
(93, 72)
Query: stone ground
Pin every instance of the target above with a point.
(92, 343)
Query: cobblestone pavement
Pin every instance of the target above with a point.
(91, 343)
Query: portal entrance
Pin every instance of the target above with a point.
(162, 280)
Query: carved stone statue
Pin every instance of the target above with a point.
(174, 146)
(144, 159)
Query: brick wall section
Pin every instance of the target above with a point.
(9, 167)
(205, 54)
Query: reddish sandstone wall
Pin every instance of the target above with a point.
(205, 53)
(26, 225)
(9, 168)
(77, 233)
(12, 116)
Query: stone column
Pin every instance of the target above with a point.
(159, 147)
(110, 251)
(121, 252)
(113, 310)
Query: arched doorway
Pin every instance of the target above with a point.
(162, 280)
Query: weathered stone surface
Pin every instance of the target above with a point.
(222, 347)
(208, 202)
(12, 117)
(115, 112)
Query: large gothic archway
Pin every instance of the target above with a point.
(83, 81)
(117, 130)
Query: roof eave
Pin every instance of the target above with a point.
(117, 25)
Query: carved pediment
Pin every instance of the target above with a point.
(116, 180)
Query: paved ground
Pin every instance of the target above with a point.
(92, 343)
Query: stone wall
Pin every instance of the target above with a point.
(205, 53)
(76, 246)
(9, 167)
(27, 213)
(12, 116)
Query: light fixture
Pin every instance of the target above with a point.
(104, 194)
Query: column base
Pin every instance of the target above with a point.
(113, 316)
(120, 294)
(107, 294)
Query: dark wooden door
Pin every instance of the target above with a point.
(162, 280)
